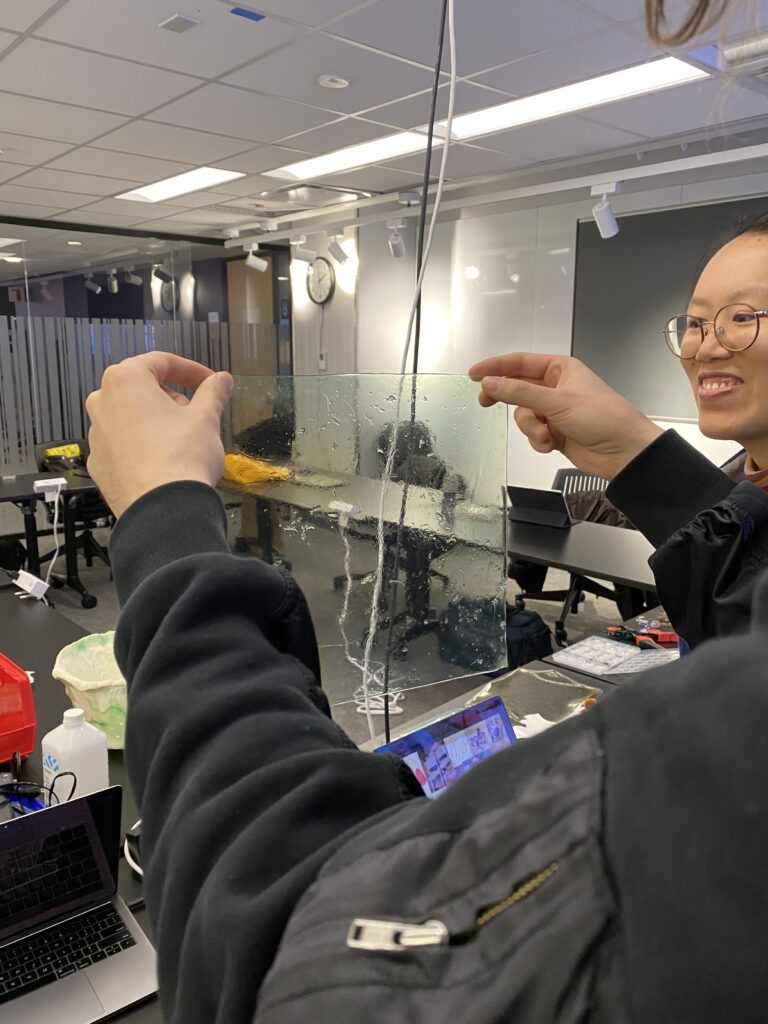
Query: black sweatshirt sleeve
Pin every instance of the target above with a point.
(708, 531)
(244, 783)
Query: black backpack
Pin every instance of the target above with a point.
(528, 637)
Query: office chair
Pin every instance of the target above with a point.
(629, 601)
(86, 510)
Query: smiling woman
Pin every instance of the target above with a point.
(722, 344)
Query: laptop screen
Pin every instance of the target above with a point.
(59, 860)
(442, 752)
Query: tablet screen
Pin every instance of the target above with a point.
(442, 752)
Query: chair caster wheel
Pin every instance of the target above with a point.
(89, 601)
(519, 603)
(561, 637)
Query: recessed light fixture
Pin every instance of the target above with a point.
(333, 82)
(654, 75)
(5, 242)
(181, 184)
(593, 92)
(13, 259)
(471, 273)
(375, 152)
(71, 242)
(179, 23)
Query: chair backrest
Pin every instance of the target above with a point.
(40, 449)
(571, 480)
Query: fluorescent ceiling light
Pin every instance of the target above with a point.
(181, 184)
(4, 242)
(379, 150)
(13, 259)
(653, 76)
(71, 242)
(594, 92)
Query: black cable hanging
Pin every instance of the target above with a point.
(420, 240)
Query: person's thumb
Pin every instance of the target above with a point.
(213, 394)
(520, 392)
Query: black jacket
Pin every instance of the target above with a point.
(623, 852)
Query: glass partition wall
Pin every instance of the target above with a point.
(72, 302)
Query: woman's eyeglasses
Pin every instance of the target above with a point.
(736, 327)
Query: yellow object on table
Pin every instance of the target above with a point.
(241, 469)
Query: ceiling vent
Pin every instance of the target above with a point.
(179, 23)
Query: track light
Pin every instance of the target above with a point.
(92, 286)
(605, 219)
(134, 279)
(112, 284)
(335, 249)
(45, 293)
(162, 275)
(302, 254)
(256, 262)
(396, 244)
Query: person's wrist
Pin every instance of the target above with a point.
(643, 434)
(120, 503)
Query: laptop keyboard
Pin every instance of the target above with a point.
(61, 950)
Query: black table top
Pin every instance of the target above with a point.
(21, 487)
(589, 549)
(31, 635)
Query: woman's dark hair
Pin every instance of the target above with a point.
(702, 15)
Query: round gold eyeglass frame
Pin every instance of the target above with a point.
(736, 327)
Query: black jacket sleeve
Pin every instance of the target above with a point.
(707, 531)
(244, 782)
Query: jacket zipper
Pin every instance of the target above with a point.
(398, 936)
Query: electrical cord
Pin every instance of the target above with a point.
(448, 12)
(56, 541)
(17, 790)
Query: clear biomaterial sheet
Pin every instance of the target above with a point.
(383, 495)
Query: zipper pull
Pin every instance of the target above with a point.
(394, 936)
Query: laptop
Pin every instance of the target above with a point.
(70, 950)
(440, 753)
(536, 505)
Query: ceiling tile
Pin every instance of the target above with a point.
(129, 30)
(414, 112)
(490, 31)
(265, 158)
(241, 113)
(374, 179)
(57, 121)
(106, 219)
(559, 139)
(8, 170)
(69, 181)
(27, 210)
(126, 208)
(465, 162)
(17, 192)
(203, 218)
(623, 10)
(305, 12)
(118, 165)
(684, 109)
(18, 15)
(164, 141)
(583, 58)
(350, 131)
(292, 74)
(88, 79)
(6, 38)
(24, 149)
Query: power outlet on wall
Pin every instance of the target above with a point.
(321, 362)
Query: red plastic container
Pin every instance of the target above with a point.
(17, 711)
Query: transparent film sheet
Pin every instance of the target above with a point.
(304, 488)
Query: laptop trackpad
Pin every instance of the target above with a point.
(68, 1001)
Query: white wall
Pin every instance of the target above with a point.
(500, 279)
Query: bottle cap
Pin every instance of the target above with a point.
(74, 717)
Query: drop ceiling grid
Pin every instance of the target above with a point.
(216, 101)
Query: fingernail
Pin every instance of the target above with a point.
(229, 382)
(492, 385)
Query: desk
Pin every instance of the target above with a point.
(586, 549)
(20, 491)
(32, 635)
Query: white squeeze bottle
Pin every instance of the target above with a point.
(75, 746)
